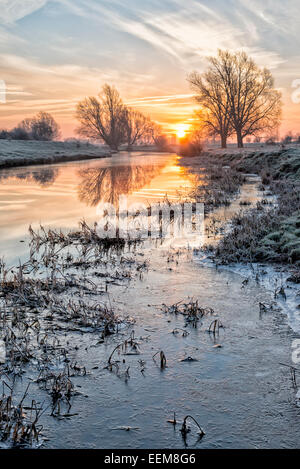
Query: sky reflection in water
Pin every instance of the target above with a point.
(61, 195)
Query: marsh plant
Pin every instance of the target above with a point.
(192, 312)
(139, 221)
(60, 293)
(19, 424)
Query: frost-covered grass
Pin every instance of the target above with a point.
(264, 233)
(23, 153)
(274, 162)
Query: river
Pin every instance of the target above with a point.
(234, 385)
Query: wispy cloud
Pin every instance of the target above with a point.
(192, 30)
(13, 10)
(33, 86)
(54, 52)
(186, 32)
(159, 99)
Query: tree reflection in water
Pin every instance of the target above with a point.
(43, 177)
(106, 185)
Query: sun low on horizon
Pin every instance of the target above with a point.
(182, 130)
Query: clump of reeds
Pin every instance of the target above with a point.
(185, 429)
(215, 326)
(19, 423)
(191, 311)
(129, 346)
(162, 359)
(86, 235)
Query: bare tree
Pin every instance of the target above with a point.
(211, 95)
(158, 137)
(104, 118)
(288, 138)
(41, 127)
(26, 125)
(255, 105)
(202, 127)
(107, 119)
(137, 126)
(18, 133)
(44, 127)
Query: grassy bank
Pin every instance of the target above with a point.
(24, 153)
(266, 233)
(272, 163)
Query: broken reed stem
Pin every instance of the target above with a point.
(293, 370)
(163, 360)
(184, 429)
(215, 326)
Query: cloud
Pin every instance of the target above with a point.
(194, 30)
(33, 87)
(14, 10)
(159, 99)
(144, 48)
(186, 33)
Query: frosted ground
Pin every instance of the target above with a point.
(23, 153)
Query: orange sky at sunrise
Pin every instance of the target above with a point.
(52, 54)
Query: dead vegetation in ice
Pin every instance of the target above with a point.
(60, 293)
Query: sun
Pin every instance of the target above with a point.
(180, 133)
(181, 130)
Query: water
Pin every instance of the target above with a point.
(59, 196)
(238, 393)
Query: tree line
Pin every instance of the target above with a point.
(104, 119)
(41, 127)
(234, 94)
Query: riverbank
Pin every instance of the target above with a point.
(15, 153)
(268, 232)
(274, 161)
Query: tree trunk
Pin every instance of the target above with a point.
(239, 139)
(223, 141)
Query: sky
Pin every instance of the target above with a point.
(53, 53)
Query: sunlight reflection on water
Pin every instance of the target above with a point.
(61, 195)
